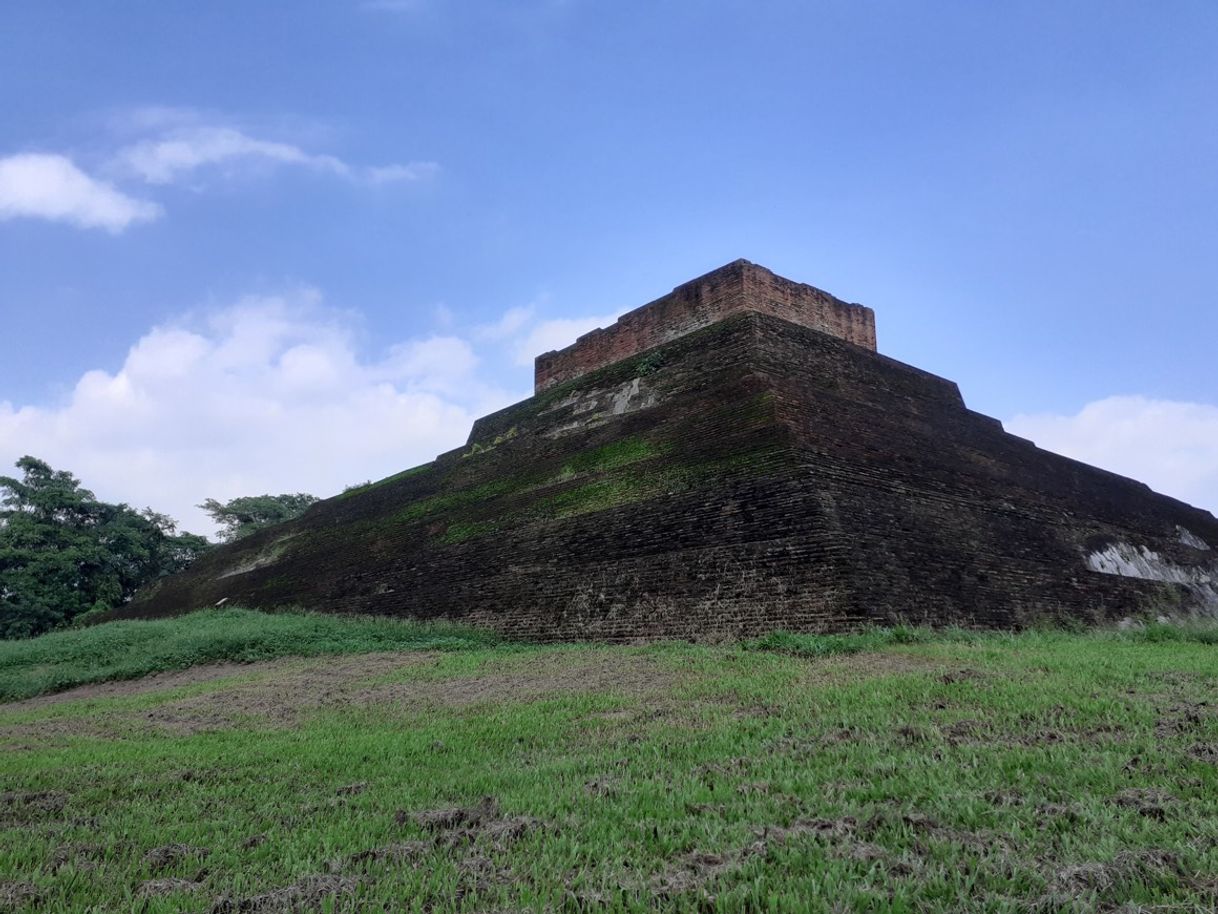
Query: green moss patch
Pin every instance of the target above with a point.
(611, 456)
(396, 477)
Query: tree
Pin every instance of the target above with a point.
(242, 516)
(64, 553)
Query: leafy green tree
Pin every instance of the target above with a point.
(242, 516)
(63, 553)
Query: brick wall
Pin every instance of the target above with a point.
(738, 286)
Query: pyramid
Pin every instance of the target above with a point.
(732, 458)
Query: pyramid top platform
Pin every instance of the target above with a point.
(733, 288)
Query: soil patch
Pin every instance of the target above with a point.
(169, 855)
(460, 824)
(1144, 866)
(154, 682)
(25, 807)
(279, 693)
(1148, 802)
(307, 894)
(17, 894)
(537, 676)
(693, 871)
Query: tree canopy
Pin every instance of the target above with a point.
(242, 516)
(63, 553)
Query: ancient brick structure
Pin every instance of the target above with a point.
(739, 286)
(749, 475)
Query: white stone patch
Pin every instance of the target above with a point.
(268, 555)
(589, 409)
(1129, 561)
(630, 397)
(1188, 538)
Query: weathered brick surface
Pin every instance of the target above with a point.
(731, 289)
(748, 476)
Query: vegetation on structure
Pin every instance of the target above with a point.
(600, 494)
(479, 448)
(425, 507)
(65, 555)
(612, 481)
(619, 453)
(245, 515)
(369, 486)
(650, 363)
(931, 772)
(464, 530)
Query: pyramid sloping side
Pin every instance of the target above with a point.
(751, 476)
(949, 517)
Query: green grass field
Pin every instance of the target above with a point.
(410, 768)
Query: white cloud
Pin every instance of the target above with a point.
(163, 160)
(45, 186)
(389, 174)
(512, 322)
(182, 151)
(268, 395)
(557, 333)
(1171, 446)
(273, 394)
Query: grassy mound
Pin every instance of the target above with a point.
(895, 770)
(128, 650)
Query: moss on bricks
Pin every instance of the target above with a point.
(466, 530)
(405, 474)
(426, 507)
(610, 456)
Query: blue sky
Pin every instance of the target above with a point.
(252, 247)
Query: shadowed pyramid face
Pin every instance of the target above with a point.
(750, 475)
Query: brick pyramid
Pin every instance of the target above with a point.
(730, 459)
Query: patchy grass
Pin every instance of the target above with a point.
(126, 650)
(884, 771)
(845, 643)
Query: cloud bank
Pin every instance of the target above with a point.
(272, 394)
(268, 395)
(51, 187)
(1171, 446)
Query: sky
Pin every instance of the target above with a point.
(275, 247)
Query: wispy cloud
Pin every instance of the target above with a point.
(52, 187)
(387, 174)
(181, 152)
